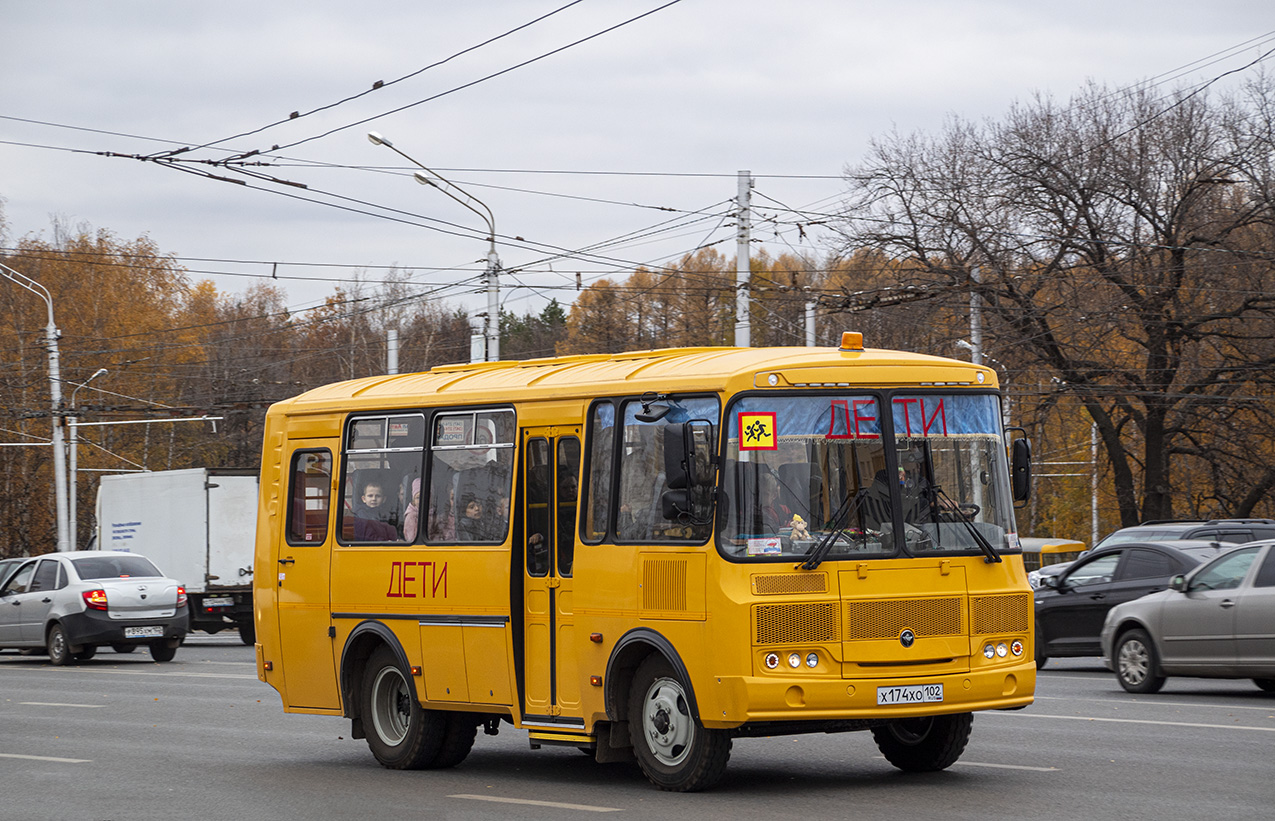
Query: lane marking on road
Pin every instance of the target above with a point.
(555, 804)
(1134, 702)
(48, 758)
(83, 671)
(1144, 721)
(59, 704)
(1007, 766)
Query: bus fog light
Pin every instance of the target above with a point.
(989, 651)
(1002, 650)
(794, 660)
(1016, 648)
(812, 660)
(772, 661)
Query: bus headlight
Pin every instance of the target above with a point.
(1002, 649)
(989, 651)
(772, 661)
(794, 660)
(812, 660)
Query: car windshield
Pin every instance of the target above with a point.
(1143, 534)
(114, 567)
(805, 471)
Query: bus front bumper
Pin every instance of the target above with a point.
(730, 701)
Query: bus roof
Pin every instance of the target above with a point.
(668, 370)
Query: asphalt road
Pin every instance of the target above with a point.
(121, 737)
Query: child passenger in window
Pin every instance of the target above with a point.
(471, 525)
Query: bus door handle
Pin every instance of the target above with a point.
(287, 561)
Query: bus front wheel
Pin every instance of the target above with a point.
(401, 734)
(674, 750)
(924, 744)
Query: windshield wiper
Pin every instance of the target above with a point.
(990, 552)
(849, 507)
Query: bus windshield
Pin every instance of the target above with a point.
(802, 471)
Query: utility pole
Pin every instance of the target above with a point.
(51, 334)
(391, 351)
(1093, 501)
(976, 319)
(743, 329)
(810, 322)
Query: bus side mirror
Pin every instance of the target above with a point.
(674, 504)
(1020, 469)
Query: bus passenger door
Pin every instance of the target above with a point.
(304, 566)
(551, 469)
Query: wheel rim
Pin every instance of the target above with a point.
(391, 706)
(1134, 662)
(667, 723)
(57, 643)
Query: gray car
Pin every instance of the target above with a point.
(70, 603)
(1213, 622)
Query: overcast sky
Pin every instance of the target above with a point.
(635, 135)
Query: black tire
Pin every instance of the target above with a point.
(57, 645)
(1137, 667)
(401, 734)
(123, 648)
(926, 744)
(674, 750)
(1265, 684)
(458, 740)
(1039, 646)
(87, 652)
(248, 632)
(163, 650)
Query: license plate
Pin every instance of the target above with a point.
(910, 694)
(219, 601)
(149, 632)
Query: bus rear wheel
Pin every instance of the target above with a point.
(926, 744)
(401, 734)
(674, 750)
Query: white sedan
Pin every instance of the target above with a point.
(68, 604)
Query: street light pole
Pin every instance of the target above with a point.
(51, 335)
(73, 423)
(492, 273)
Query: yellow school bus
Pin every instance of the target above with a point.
(648, 555)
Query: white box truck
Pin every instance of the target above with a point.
(198, 526)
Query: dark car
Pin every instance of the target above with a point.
(1229, 531)
(1072, 606)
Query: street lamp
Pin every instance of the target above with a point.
(471, 202)
(73, 424)
(51, 335)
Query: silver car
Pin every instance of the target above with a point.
(70, 603)
(1214, 622)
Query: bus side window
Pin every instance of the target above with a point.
(568, 464)
(596, 505)
(310, 495)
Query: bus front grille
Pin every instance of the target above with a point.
(797, 623)
(887, 618)
(779, 584)
(999, 614)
